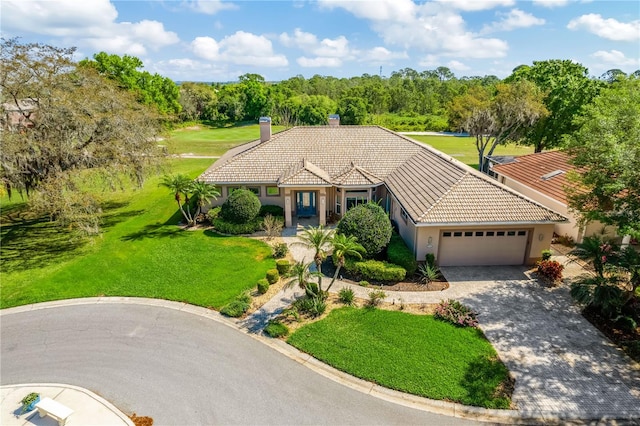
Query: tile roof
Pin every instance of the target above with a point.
(530, 169)
(431, 186)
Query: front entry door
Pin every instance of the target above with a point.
(306, 204)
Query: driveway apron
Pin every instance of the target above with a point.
(562, 365)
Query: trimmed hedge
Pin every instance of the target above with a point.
(273, 276)
(226, 227)
(375, 270)
(370, 225)
(272, 210)
(263, 285)
(399, 254)
(242, 206)
(283, 266)
(276, 329)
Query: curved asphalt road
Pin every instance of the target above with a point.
(182, 369)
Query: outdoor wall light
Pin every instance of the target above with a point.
(540, 236)
(430, 242)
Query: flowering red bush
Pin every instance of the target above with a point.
(456, 313)
(550, 271)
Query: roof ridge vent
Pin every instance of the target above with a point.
(551, 174)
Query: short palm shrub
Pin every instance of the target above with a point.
(370, 225)
(280, 250)
(456, 313)
(263, 285)
(550, 271)
(283, 266)
(428, 273)
(311, 306)
(242, 206)
(375, 298)
(238, 306)
(273, 276)
(276, 329)
(346, 296)
(375, 270)
(399, 254)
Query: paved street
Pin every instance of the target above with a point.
(181, 368)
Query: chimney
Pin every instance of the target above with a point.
(265, 128)
(334, 120)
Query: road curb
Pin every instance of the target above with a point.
(451, 409)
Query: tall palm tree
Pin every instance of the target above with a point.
(343, 246)
(181, 186)
(300, 275)
(318, 239)
(203, 193)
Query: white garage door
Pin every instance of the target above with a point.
(482, 247)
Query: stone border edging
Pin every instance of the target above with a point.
(452, 409)
(87, 392)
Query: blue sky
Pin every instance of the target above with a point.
(211, 40)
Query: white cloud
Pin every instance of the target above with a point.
(337, 47)
(319, 62)
(616, 58)
(85, 24)
(457, 66)
(381, 54)
(430, 61)
(610, 29)
(240, 48)
(476, 5)
(435, 27)
(210, 7)
(550, 4)
(516, 18)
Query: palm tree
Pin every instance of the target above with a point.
(203, 193)
(181, 186)
(318, 239)
(300, 275)
(344, 246)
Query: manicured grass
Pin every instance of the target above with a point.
(205, 140)
(141, 252)
(411, 353)
(464, 148)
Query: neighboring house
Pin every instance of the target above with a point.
(18, 114)
(543, 178)
(440, 205)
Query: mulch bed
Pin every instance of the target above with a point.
(627, 340)
(409, 284)
(141, 421)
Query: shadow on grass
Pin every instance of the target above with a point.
(157, 230)
(480, 382)
(35, 243)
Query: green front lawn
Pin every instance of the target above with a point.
(141, 252)
(464, 148)
(410, 353)
(213, 141)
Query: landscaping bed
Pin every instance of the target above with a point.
(627, 340)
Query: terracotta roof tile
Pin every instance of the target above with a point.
(530, 169)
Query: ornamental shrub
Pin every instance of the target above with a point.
(375, 298)
(376, 270)
(273, 276)
(430, 259)
(242, 206)
(550, 271)
(263, 285)
(311, 306)
(280, 250)
(272, 210)
(399, 254)
(226, 227)
(235, 309)
(283, 267)
(276, 329)
(370, 225)
(346, 296)
(456, 313)
(546, 254)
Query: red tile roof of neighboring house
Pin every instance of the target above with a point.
(538, 171)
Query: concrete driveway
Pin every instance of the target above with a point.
(563, 366)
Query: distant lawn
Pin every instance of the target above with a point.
(464, 148)
(204, 140)
(410, 353)
(140, 253)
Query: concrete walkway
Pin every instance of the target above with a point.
(88, 408)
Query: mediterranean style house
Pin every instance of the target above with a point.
(439, 204)
(543, 178)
